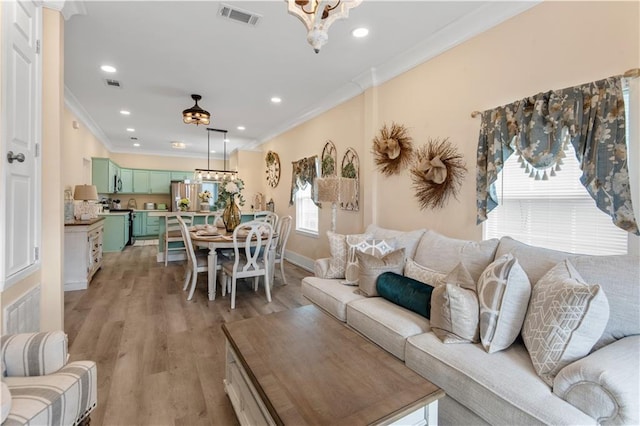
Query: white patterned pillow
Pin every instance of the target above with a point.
(503, 295)
(372, 266)
(339, 250)
(454, 308)
(377, 248)
(566, 317)
(423, 274)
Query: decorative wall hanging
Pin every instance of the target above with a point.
(593, 116)
(350, 187)
(437, 173)
(273, 169)
(304, 173)
(329, 159)
(392, 149)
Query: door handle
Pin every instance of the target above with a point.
(11, 156)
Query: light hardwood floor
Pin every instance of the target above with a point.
(161, 358)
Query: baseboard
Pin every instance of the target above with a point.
(75, 285)
(299, 260)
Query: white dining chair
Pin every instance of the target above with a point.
(213, 218)
(173, 234)
(195, 262)
(283, 229)
(266, 216)
(251, 241)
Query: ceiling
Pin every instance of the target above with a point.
(164, 51)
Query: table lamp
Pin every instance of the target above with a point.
(86, 193)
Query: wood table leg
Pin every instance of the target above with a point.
(212, 264)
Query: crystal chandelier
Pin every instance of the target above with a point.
(318, 15)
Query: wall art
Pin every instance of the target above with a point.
(350, 184)
(392, 149)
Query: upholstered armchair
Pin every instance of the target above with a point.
(39, 387)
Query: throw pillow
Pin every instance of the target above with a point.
(565, 319)
(503, 295)
(372, 266)
(454, 308)
(423, 274)
(338, 248)
(5, 402)
(406, 292)
(377, 248)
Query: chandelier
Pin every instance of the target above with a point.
(318, 15)
(195, 114)
(213, 175)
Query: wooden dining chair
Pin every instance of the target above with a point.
(267, 216)
(172, 233)
(195, 262)
(283, 229)
(251, 241)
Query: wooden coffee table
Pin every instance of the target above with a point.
(302, 366)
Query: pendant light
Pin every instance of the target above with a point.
(195, 114)
(213, 175)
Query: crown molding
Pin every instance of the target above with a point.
(67, 8)
(78, 110)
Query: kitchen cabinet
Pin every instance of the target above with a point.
(181, 176)
(103, 172)
(159, 182)
(126, 175)
(116, 232)
(139, 224)
(82, 252)
(140, 181)
(153, 225)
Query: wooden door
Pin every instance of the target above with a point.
(20, 138)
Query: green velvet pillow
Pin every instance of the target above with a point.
(406, 292)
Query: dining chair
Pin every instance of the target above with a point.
(251, 241)
(283, 229)
(172, 233)
(195, 262)
(267, 216)
(213, 218)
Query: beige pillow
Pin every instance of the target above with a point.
(454, 308)
(339, 249)
(503, 295)
(423, 274)
(377, 248)
(566, 317)
(372, 266)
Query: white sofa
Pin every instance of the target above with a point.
(503, 387)
(39, 387)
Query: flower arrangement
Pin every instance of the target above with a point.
(227, 189)
(205, 196)
(183, 204)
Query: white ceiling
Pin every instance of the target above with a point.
(166, 50)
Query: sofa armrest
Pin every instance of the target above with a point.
(321, 267)
(604, 384)
(33, 354)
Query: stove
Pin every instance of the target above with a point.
(131, 238)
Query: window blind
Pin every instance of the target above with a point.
(306, 211)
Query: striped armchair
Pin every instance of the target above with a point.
(44, 389)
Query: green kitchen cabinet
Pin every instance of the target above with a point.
(159, 182)
(152, 226)
(116, 232)
(181, 176)
(126, 176)
(140, 181)
(103, 173)
(139, 224)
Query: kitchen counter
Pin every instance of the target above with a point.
(113, 213)
(84, 222)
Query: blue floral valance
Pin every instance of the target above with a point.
(591, 115)
(304, 173)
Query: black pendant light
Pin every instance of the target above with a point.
(195, 114)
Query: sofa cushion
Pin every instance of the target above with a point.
(329, 295)
(535, 261)
(407, 240)
(406, 292)
(566, 317)
(371, 266)
(376, 248)
(442, 253)
(423, 274)
(503, 296)
(385, 323)
(339, 247)
(454, 308)
(5, 402)
(502, 387)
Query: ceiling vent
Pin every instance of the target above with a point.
(112, 83)
(239, 15)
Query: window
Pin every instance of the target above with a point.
(557, 213)
(306, 212)
(213, 189)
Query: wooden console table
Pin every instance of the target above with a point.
(301, 366)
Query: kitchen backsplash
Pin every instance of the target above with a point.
(140, 199)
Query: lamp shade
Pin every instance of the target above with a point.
(328, 189)
(85, 192)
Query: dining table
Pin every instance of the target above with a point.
(224, 240)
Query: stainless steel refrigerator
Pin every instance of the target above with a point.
(190, 191)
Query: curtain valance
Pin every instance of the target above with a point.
(304, 173)
(591, 116)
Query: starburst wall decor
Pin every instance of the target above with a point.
(392, 149)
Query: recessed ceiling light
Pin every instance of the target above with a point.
(108, 68)
(240, 127)
(213, 151)
(125, 112)
(276, 100)
(360, 32)
(226, 140)
(130, 129)
(136, 144)
(178, 145)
